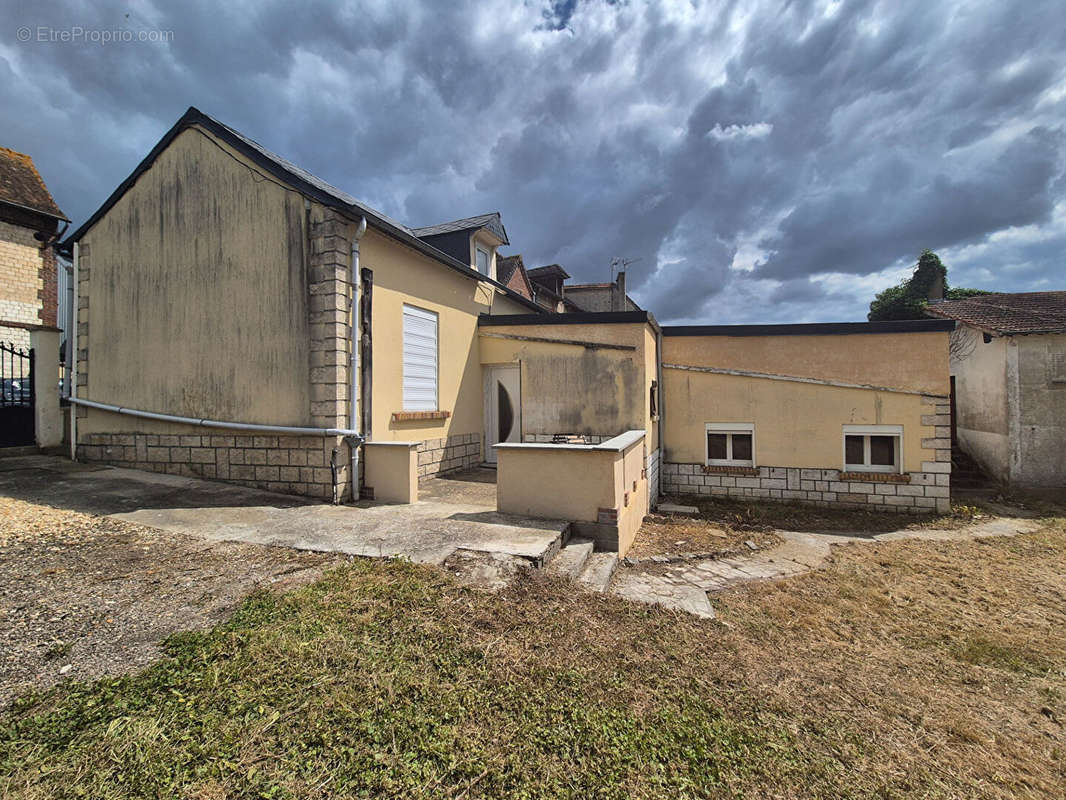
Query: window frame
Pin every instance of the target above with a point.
(866, 431)
(730, 428)
(478, 249)
(424, 313)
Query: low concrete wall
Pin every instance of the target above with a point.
(391, 471)
(601, 488)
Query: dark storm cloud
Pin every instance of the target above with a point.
(760, 161)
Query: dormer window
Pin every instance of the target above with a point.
(483, 260)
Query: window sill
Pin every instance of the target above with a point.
(420, 416)
(722, 469)
(876, 477)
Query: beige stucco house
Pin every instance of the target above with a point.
(1008, 367)
(216, 286)
(239, 319)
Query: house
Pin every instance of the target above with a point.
(240, 319)
(218, 337)
(30, 221)
(552, 292)
(1008, 370)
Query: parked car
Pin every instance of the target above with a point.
(15, 392)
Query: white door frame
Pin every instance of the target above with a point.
(491, 373)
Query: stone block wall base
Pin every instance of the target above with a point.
(436, 456)
(298, 465)
(927, 492)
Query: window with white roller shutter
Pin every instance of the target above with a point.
(419, 359)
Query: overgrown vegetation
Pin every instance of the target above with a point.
(911, 669)
(909, 299)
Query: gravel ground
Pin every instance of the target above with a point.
(83, 596)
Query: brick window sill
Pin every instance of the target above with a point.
(420, 416)
(715, 469)
(876, 477)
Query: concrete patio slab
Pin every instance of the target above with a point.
(428, 531)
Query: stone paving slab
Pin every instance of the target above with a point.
(685, 585)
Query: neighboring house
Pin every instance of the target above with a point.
(547, 286)
(1008, 367)
(511, 272)
(30, 222)
(601, 296)
(551, 291)
(215, 288)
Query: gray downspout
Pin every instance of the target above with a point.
(662, 411)
(353, 365)
(72, 347)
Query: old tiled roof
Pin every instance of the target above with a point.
(491, 222)
(21, 184)
(1005, 314)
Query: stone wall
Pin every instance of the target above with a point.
(288, 464)
(23, 268)
(451, 453)
(915, 492)
(651, 466)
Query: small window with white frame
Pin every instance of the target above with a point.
(730, 444)
(873, 448)
(484, 258)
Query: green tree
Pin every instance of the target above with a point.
(908, 299)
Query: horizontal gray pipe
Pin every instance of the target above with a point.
(214, 423)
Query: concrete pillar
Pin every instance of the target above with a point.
(48, 423)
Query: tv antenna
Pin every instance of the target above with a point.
(619, 264)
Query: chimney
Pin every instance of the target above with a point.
(936, 290)
(618, 292)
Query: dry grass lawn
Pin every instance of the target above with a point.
(902, 670)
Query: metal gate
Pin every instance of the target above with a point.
(16, 396)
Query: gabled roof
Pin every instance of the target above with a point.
(21, 185)
(296, 177)
(1007, 314)
(507, 266)
(490, 222)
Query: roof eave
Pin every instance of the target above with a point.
(32, 210)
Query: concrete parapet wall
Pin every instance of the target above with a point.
(602, 488)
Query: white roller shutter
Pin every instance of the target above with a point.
(419, 359)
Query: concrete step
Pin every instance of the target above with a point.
(571, 559)
(598, 571)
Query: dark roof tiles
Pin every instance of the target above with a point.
(490, 222)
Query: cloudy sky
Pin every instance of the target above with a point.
(760, 161)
